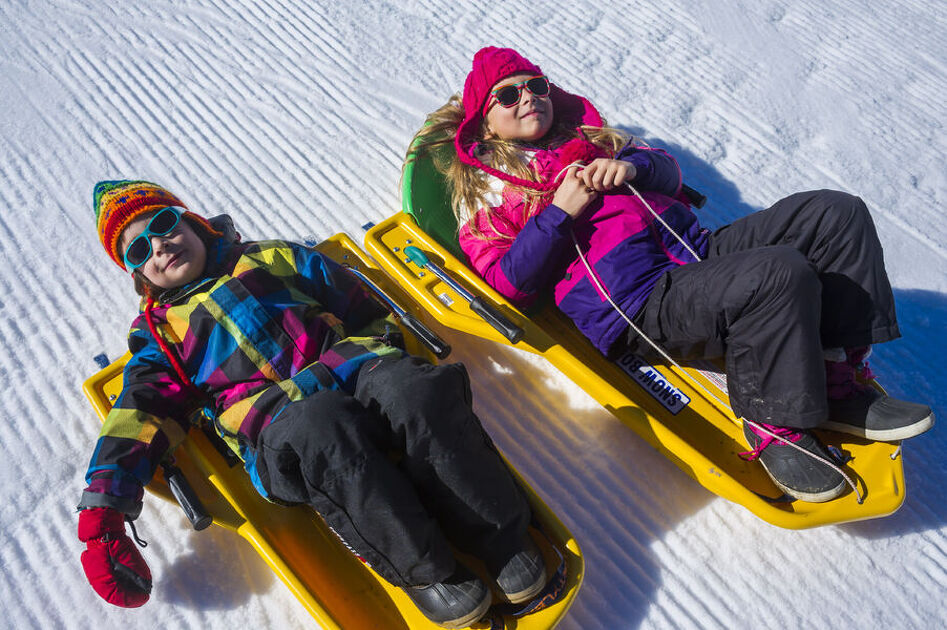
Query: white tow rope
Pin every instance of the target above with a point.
(757, 426)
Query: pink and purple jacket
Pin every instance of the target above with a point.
(625, 245)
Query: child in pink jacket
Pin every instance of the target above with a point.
(552, 201)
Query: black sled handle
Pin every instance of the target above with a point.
(424, 334)
(186, 497)
(504, 326)
(478, 305)
(434, 343)
(696, 198)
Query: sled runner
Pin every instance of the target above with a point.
(337, 589)
(689, 423)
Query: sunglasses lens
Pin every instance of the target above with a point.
(539, 86)
(138, 252)
(163, 222)
(508, 95)
(140, 249)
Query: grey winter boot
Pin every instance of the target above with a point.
(859, 409)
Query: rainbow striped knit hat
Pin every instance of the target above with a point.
(119, 202)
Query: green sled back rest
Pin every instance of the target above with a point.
(426, 197)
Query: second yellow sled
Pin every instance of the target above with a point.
(683, 413)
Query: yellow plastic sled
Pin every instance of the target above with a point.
(334, 586)
(691, 428)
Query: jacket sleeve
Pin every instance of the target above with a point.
(341, 293)
(655, 169)
(148, 419)
(519, 269)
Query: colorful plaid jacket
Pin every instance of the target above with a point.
(269, 323)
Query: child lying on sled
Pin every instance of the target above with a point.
(539, 188)
(308, 388)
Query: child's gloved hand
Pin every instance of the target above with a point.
(112, 563)
(573, 195)
(604, 174)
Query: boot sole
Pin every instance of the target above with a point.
(527, 593)
(470, 619)
(883, 435)
(808, 497)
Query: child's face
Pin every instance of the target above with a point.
(177, 257)
(528, 120)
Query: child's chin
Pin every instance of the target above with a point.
(541, 132)
(178, 277)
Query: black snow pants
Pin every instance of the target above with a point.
(776, 288)
(398, 470)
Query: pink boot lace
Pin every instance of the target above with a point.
(786, 433)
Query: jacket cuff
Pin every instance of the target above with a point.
(644, 168)
(554, 218)
(129, 507)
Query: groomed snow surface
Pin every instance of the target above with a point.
(293, 116)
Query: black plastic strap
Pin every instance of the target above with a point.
(141, 543)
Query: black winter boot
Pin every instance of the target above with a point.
(859, 409)
(457, 602)
(523, 576)
(870, 414)
(799, 475)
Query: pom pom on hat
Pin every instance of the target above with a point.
(119, 202)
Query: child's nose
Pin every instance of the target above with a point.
(158, 243)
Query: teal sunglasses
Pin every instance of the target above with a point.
(139, 250)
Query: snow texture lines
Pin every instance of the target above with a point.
(293, 116)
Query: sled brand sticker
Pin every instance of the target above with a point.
(653, 382)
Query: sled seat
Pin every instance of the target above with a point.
(694, 430)
(337, 589)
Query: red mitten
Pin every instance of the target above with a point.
(112, 563)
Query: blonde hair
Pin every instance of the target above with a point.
(470, 186)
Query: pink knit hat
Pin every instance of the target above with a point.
(490, 65)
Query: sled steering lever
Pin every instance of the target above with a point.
(434, 343)
(493, 317)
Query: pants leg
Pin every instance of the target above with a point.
(835, 232)
(330, 452)
(759, 310)
(447, 454)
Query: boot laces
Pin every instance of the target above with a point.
(780, 435)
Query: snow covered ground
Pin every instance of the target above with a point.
(293, 116)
